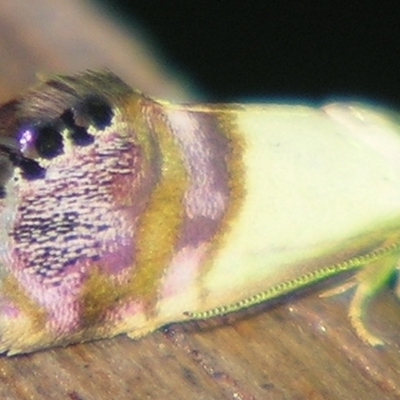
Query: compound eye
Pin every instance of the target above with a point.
(94, 111)
(79, 135)
(49, 142)
(46, 140)
(31, 169)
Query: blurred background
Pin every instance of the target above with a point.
(275, 49)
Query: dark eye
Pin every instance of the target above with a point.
(31, 169)
(97, 111)
(78, 134)
(49, 142)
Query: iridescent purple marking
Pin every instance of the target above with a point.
(26, 139)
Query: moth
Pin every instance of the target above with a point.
(120, 213)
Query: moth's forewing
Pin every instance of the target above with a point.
(316, 192)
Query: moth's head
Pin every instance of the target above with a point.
(57, 119)
(74, 176)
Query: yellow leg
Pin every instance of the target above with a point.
(397, 285)
(371, 278)
(342, 288)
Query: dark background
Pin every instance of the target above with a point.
(277, 49)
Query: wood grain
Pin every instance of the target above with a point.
(300, 347)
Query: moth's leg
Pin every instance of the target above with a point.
(397, 283)
(370, 279)
(340, 289)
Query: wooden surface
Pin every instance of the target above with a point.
(300, 347)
